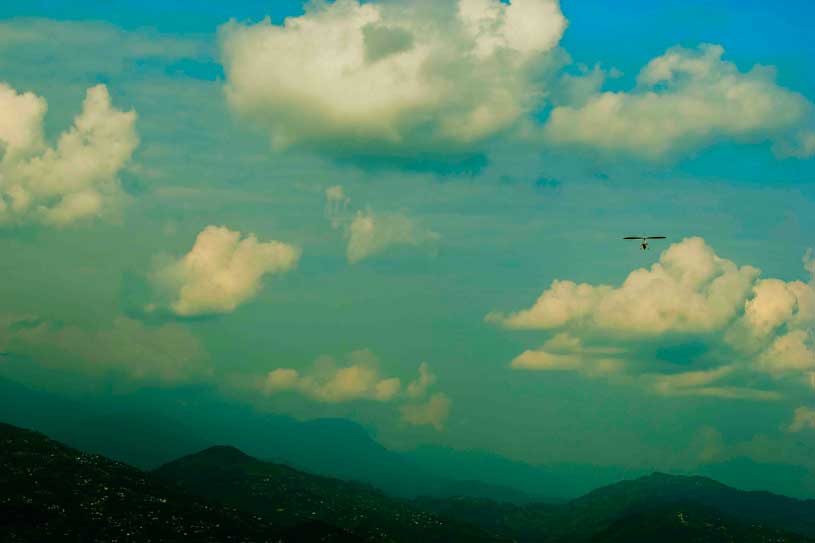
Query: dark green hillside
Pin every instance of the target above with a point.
(689, 524)
(521, 523)
(765, 509)
(290, 497)
(49, 492)
(655, 508)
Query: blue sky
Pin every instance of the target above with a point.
(269, 228)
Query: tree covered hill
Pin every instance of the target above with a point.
(50, 492)
(658, 506)
(289, 497)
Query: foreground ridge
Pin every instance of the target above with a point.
(50, 492)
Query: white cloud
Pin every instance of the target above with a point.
(685, 99)
(791, 352)
(370, 233)
(434, 412)
(373, 78)
(73, 181)
(803, 419)
(773, 304)
(222, 271)
(689, 382)
(565, 352)
(809, 263)
(543, 360)
(801, 145)
(704, 383)
(690, 289)
(168, 353)
(526, 26)
(419, 387)
(336, 205)
(563, 302)
(359, 378)
(749, 326)
(575, 89)
(328, 382)
(21, 118)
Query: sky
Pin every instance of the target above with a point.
(409, 215)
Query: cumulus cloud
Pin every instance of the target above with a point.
(395, 79)
(359, 378)
(371, 233)
(690, 289)
(579, 84)
(803, 419)
(685, 99)
(791, 352)
(128, 348)
(419, 387)
(433, 412)
(221, 271)
(749, 326)
(76, 179)
(328, 382)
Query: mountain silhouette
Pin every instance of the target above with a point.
(682, 508)
(151, 431)
(289, 497)
(50, 492)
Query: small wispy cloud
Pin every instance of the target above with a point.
(370, 233)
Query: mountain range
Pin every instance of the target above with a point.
(153, 431)
(655, 507)
(51, 492)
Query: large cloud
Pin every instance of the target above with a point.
(685, 99)
(126, 348)
(690, 289)
(395, 79)
(359, 378)
(371, 233)
(73, 181)
(221, 271)
(748, 326)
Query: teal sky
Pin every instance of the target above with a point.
(295, 217)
